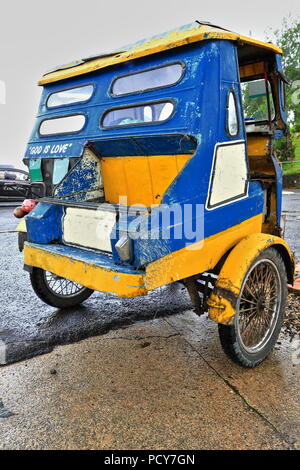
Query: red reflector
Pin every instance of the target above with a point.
(28, 205)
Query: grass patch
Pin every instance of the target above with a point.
(293, 167)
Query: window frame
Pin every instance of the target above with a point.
(232, 136)
(67, 89)
(282, 92)
(149, 69)
(270, 85)
(138, 105)
(60, 117)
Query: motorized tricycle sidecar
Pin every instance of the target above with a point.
(158, 167)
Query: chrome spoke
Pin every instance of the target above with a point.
(61, 286)
(258, 305)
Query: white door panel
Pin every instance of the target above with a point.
(229, 173)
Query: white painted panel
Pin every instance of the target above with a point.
(230, 173)
(88, 228)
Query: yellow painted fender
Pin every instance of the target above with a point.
(22, 226)
(223, 299)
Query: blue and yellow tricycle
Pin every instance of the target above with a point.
(155, 165)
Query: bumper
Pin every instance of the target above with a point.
(97, 272)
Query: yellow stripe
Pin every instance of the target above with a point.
(143, 179)
(203, 256)
(171, 40)
(88, 275)
(233, 273)
(178, 265)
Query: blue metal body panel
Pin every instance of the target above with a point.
(279, 177)
(200, 62)
(197, 126)
(80, 180)
(44, 223)
(279, 67)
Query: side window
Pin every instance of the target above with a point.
(232, 123)
(138, 114)
(146, 80)
(70, 96)
(256, 96)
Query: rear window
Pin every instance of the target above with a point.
(70, 96)
(146, 80)
(62, 125)
(138, 114)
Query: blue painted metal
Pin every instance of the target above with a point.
(44, 223)
(186, 93)
(279, 133)
(167, 144)
(198, 124)
(81, 179)
(192, 185)
(279, 177)
(56, 148)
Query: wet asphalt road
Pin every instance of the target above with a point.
(29, 327)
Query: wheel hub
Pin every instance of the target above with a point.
(261, 305)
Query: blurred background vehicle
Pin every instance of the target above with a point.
(15, 184)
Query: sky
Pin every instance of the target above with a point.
(35, 36)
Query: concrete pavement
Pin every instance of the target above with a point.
(161, 384)
(29, 327)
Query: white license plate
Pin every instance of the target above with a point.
(88, 228)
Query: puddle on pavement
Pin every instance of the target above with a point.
(4, 413)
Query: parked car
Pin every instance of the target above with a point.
(13, 183)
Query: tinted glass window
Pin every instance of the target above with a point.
(147, 80)
(139, 114)
(62, 125)
(232, 119)
(72, 95)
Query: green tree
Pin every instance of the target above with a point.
(287, 37)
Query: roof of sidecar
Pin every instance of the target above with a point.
(191, 33)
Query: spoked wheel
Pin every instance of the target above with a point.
(57, 291)
(259, 311)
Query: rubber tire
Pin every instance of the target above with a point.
(42, 290)
(22, 238)
(227, 333)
